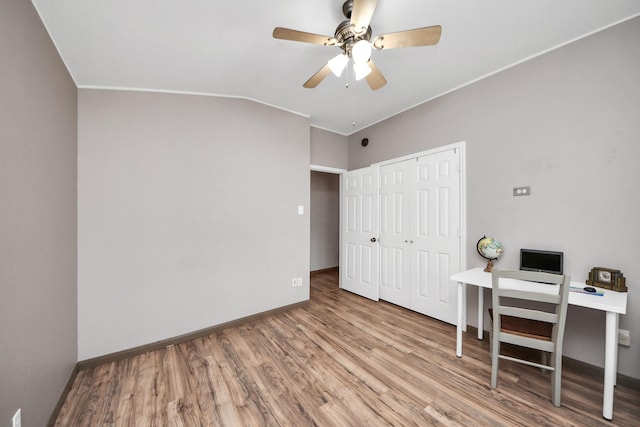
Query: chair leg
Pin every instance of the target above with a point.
(495, 350)
(545, 359)
(556, 378)
(490, 343)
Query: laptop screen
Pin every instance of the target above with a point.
(539, 260)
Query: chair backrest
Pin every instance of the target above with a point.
(519, 293)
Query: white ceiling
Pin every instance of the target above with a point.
(225, 47)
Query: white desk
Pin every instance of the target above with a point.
(613, 303)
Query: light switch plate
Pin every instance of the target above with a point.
(300, 210)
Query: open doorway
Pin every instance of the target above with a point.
(325, 221)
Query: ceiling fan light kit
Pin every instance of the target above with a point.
(338, 64)
(361, 70)
(353, 37)
(361, 52)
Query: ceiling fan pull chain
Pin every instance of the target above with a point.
(353, 99)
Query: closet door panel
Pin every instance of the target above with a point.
(395, 280)
(436, 240)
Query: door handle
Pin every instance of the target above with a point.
(373, 240)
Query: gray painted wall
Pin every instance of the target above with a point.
(325, 220)
(329, 149)
(187, 214)
(38, 338)
(567, 124)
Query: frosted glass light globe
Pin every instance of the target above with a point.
(361, 52)
(338, 63)
(361, 69)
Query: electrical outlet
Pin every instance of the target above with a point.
(522, 191)
(17, 418)
(624, 338)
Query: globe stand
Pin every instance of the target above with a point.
(489, 266)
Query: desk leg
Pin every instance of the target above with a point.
(464, 307)
(615, 358)
(480, 312)
(610, 364)
(461, 310)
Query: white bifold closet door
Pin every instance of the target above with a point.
(420, 233)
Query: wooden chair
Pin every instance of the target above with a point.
(541, 327)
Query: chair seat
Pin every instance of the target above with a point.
(525, 327)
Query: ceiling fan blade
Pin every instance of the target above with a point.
(301, 36)
(317, 77)
(361, 14)
(425, 36)
(375, 79)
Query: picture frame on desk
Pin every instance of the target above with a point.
(607, 278)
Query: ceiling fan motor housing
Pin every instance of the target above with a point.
(346, 38)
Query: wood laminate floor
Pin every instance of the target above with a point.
(340, 361)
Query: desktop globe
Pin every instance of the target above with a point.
(489, 249)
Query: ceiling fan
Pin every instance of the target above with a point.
(353, 36)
